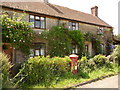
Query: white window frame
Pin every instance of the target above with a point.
(73, 26)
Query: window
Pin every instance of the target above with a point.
(73, 26)
(100, 30)
(39, 50)
(74, 49)
(37, 21)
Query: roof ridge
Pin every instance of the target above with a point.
(81, 12)
(72, 9)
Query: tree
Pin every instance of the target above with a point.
(60, 40)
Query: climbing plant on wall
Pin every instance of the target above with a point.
(97, 45)
(87, 36)
(16, 32)
(60, 40)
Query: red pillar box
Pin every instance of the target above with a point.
(73, 63)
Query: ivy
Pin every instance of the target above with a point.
(88, 36)
(97, 45)
(16, 32)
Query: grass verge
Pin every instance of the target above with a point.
(69, 79)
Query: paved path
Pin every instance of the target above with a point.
(110, 82)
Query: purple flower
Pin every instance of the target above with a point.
(112, 46)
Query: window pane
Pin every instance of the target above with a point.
(42, 24)
(31, 17)
(77, 26)
(37, 24)
(32, 20)
(76, 49)
(42, 18)
(73, 49)
(31, 52)
(70, 25)
(37, 53)
(73, 28)
(42, 51)
(73, 24)
(37, 17)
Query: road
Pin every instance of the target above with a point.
(110, 82)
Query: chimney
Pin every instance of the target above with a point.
(94, 11)
(45, 1)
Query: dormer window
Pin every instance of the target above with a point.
(73, 26)
(37, 22)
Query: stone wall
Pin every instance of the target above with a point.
(52, 21)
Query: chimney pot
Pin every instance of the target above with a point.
(94, 11)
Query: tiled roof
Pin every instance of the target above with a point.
(57, 11)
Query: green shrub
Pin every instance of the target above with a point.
(5, 67)
(115, 56)
(100, 60)
(59, 43)
(43, 70)
(86, 65)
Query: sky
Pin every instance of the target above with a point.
(107, 9)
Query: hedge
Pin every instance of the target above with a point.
(43, 70)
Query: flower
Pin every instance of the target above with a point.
(6, 36)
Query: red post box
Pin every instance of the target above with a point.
(73, 63)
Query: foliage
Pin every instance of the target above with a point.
(97, 45)
(5, 67)
(16, 32)
(115, 56)
(109, 46)
(100, 60)
(86, 65)
(77, 37)
(118, 36)
(69, 79)
(42, 70)
(89, 65)
(55, 72)
(88, 36)
(60, 40)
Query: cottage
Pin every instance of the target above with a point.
(45, 15)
